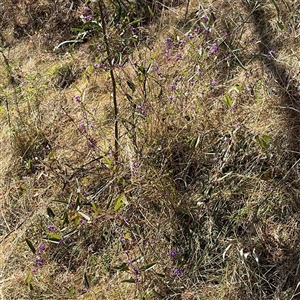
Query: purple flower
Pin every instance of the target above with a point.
(270, 189)
(197, 29)
(215, 159)
(62, 241)
(50, 227)
(96, 65)
(205, 19)
(141, 110)
(173, 86)
(92, 142)
(82, 127)
(178, 272)
(82, 221)
(271, 53)
(182, 43)
(171, 98)
(88, 18)
(179, 56)
(136, 271)
(136, 165)
(168, 42)
(42, 247)
(189, 35)
(39, 261)
(213, 83)
(207, 31)
(99, 47)
(86, 9)
(156, 68)
(173, 253)
(77, 98)
(117, 25)
(71, 205)
(214, 49)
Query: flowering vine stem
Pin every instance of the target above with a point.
(113, 81)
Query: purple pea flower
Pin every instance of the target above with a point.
(214, 49)
(205, 19)
(39, 261)
(173, 86)
(213, 83)
(173, 253)
(88, 18)
(82, 127)
(86, 9)
(271, 53)
(178, 272)
(50, 227)
(77, 98)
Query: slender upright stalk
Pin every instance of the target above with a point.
(113, 80)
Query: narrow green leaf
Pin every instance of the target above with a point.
(54, 237)
(72, 291)
(131, 85)
(228, 101)
(121, 267)
(212, 19)
(119, 202)
(30, 245)
(65, 218)
(51, 154)
(28, 165)
(86, 281)
(150, 11)
(142, 69)
(50, 212)
(27, 280)
(147, 267)
(95, 207)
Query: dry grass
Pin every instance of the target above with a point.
(208, 162)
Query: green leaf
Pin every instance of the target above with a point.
(119, 202)
(30, 245)
(264, 141)
(142, 69)
(228, 101)
(54, 237)
(212, 19)
(86, 281)
(27, 280)
(121, 267)
(281, 25)
(51, 154)
(72, 291)
(147, 267)
(131, 85)
(50, 212)
(28, 165)
(95, 207)
(150, 11)
(65, 218)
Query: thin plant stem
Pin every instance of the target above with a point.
(113, 81)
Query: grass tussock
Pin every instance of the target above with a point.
(149, 153)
